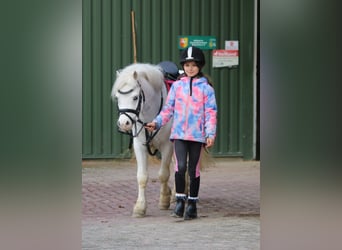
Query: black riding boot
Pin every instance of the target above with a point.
(179, 208)
(191, 210)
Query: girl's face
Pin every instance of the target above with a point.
(191, 69)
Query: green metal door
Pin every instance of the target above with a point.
(108, 46)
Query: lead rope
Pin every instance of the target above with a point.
(150, 136)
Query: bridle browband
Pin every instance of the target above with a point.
(149, 135)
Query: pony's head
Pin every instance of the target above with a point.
(135, 90)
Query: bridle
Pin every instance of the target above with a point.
(136, 111)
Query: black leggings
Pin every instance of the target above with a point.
(187, 152)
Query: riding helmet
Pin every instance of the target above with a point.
(192, 54)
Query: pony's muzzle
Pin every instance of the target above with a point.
(124, 123)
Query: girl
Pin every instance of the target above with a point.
(192, 104)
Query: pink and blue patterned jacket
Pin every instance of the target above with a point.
(192, 104)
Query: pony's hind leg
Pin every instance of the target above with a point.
(142, 178)
(164, 175)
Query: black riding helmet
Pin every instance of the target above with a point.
(192, 54)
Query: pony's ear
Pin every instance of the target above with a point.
(118, 73)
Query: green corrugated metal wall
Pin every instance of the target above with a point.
(107, 47)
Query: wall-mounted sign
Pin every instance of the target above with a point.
(231, 45)
(202, 42)
(228, 57)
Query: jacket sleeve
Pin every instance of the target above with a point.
(167, 112)
(210, 109)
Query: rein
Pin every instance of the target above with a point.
(149, 135)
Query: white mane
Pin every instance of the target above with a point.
(145, 73)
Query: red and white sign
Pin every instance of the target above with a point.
(227, 57)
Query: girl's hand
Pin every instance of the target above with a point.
(209, 142)
(150, 126)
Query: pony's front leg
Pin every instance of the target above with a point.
(142, 177)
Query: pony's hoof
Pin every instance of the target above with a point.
(134, 215)
(164, 202)
(164, 205)
(138, 212)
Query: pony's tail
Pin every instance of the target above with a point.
(207, 159)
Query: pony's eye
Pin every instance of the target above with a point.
(135, 98)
